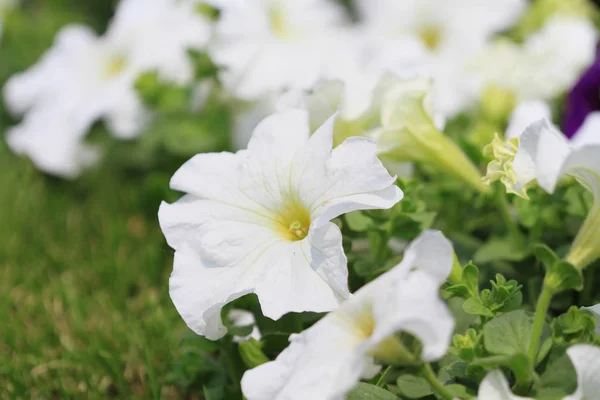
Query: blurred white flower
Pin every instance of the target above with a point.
(525, 114)
(257, 221)
(243, 318)
(547, 64)
(495, 387)
(270, 45)
(85, 78)
(586, 360)
(435, 37)
(328, 359)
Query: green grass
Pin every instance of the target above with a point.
(84, 298)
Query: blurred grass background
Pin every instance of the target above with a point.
(84, 304)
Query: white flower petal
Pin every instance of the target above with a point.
(495, 387)
(199, 292)
(53, 143)
(586, 360)
(430, 252)
(327, 360)
(583, 163)
(246, 218)
(542, 150)
(589, 132)
(525, 114)
(354, 179)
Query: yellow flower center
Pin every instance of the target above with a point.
(277, 22)
(115, 66)
(293, 221)
(431, 35)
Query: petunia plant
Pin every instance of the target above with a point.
(359, 199)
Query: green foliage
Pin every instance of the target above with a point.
(413, 387)
(575, 326)
(364, 391)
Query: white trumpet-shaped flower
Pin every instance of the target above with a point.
(328, 359)
(85, 78)
(257, 221)
(542, 68)
(270, 45)
(545, 155)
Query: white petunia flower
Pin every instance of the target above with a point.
(242, 318)
(586, 360)
(328, 359)
(546, 65)
(270, 45)
(545, 155)
(85, 78)
(257, 221)
(435, 37)
(495, 387)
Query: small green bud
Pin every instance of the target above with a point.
(497, 103)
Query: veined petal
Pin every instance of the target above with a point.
(586, 360)
(199, 292)
(414, 306)
(495, 387)
(292, 280)
(353, 179)
(249, 213)
(326, 360)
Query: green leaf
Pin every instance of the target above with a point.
(413, 387)
(510, 334)
(559, 379)
(365, 391)
(359, 222)
(500, 249)
(470, 278)
(545, 255)
(459, 391)
(563, 276)
(474, 306)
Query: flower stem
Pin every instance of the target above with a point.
(381, 379)
(540, 316)
(509, 221)
(429, 375)
(228, 350)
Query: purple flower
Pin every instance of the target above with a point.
(583, 99)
